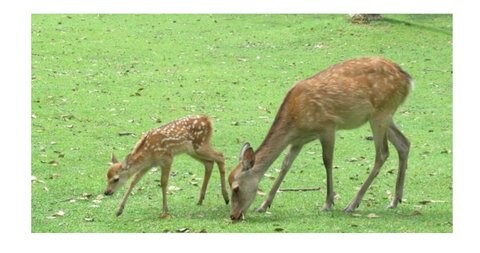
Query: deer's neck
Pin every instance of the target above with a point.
(274, 143)
(136, 162)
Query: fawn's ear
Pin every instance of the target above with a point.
(126, 162)
(247, 157)
(114, 159)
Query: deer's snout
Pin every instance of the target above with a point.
(108, 192)
(236, 216)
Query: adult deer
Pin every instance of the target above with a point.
(344, 96)
(190, 135)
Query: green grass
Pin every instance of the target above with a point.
(96, 75)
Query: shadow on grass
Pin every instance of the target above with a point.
(413, 25)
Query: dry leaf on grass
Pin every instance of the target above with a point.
(59, 213)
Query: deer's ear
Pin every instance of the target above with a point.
(247, 159)
(114, 159)
(126, 162)
(244, 147)
(235, 187)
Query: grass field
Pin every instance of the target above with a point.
(94, 76)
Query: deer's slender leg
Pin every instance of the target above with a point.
(327, 140)
(206, 178)
(134, 181)
(379, 126)
(401, 143)
(206, 152)
(287, 163)
(164, 182)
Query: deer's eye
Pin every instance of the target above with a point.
(116, 178)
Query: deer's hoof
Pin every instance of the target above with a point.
(164, 216)
(261, 209)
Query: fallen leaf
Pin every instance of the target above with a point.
(173, 188)
(124, 133)
(372, 216)
(261, 193)
(446, 151)
(59, 213)
(430, 201)
(353, 159)
(85, 196)
(54, 175)
(34, 179)
(183, 230)
(89, 219)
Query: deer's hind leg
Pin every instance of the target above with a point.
(402, 145)
(379, 125)
(166, 166)
(208, 155)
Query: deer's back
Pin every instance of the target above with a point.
(347, 94)
(179, 136)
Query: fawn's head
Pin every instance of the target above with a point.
(243, 183)
(116, 177)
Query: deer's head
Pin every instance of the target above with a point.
(243, 183)
(116, 177)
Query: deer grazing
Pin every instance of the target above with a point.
(158, 147)
(344, 96)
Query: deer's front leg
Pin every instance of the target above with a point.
(287, 162)
(134, 181)
(164, 181)
(328, 142)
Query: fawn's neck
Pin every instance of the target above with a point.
(137, 162)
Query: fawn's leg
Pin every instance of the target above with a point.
(401, 143)
(287, 163)
(206, 178)
(164, 182)
(379, 126)
(206, 152)
(134, 181)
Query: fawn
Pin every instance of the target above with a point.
(158, 147)
(344, 96)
